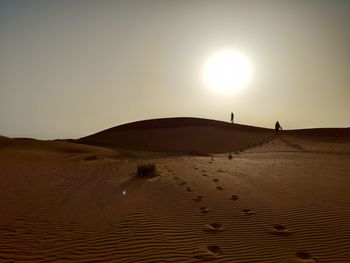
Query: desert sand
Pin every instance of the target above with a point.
(278, 199)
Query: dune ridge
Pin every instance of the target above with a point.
(203, 136)
(180, 135)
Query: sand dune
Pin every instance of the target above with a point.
(20, 145)
(181, 135)
(332, 135)
(279, 201)
(335, 140)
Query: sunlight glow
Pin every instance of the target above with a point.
(227, 70)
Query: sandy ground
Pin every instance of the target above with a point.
(287, 200)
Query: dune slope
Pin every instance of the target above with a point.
(182, 135)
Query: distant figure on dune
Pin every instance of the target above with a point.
(232, 116)
(277, 127)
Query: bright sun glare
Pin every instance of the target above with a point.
(227, 70)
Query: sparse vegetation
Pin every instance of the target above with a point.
(146, 170)
(230, 156)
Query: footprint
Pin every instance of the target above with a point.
(182, 183)
(220, 188)
(91, 158)
(215, 180)
(204, 175)
(247, 211)
(207, 253)
(280, 230)
(197, 198)
(204, 209)
(189, 189)
(234, 197)
(305, 257)
(214, 227)
(176, 178)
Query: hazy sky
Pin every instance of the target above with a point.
(72, 68)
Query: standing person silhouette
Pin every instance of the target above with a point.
(232, 116)
(277, 127)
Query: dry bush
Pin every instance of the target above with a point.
(145, 170)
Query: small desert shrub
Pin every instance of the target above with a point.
(230, 156)
(144, 170)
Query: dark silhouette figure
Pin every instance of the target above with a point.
(232, 116)
(277, 127)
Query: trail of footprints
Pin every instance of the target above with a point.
(211, 252)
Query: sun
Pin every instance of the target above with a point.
(227, 70)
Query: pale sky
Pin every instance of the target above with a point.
(72, 68)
